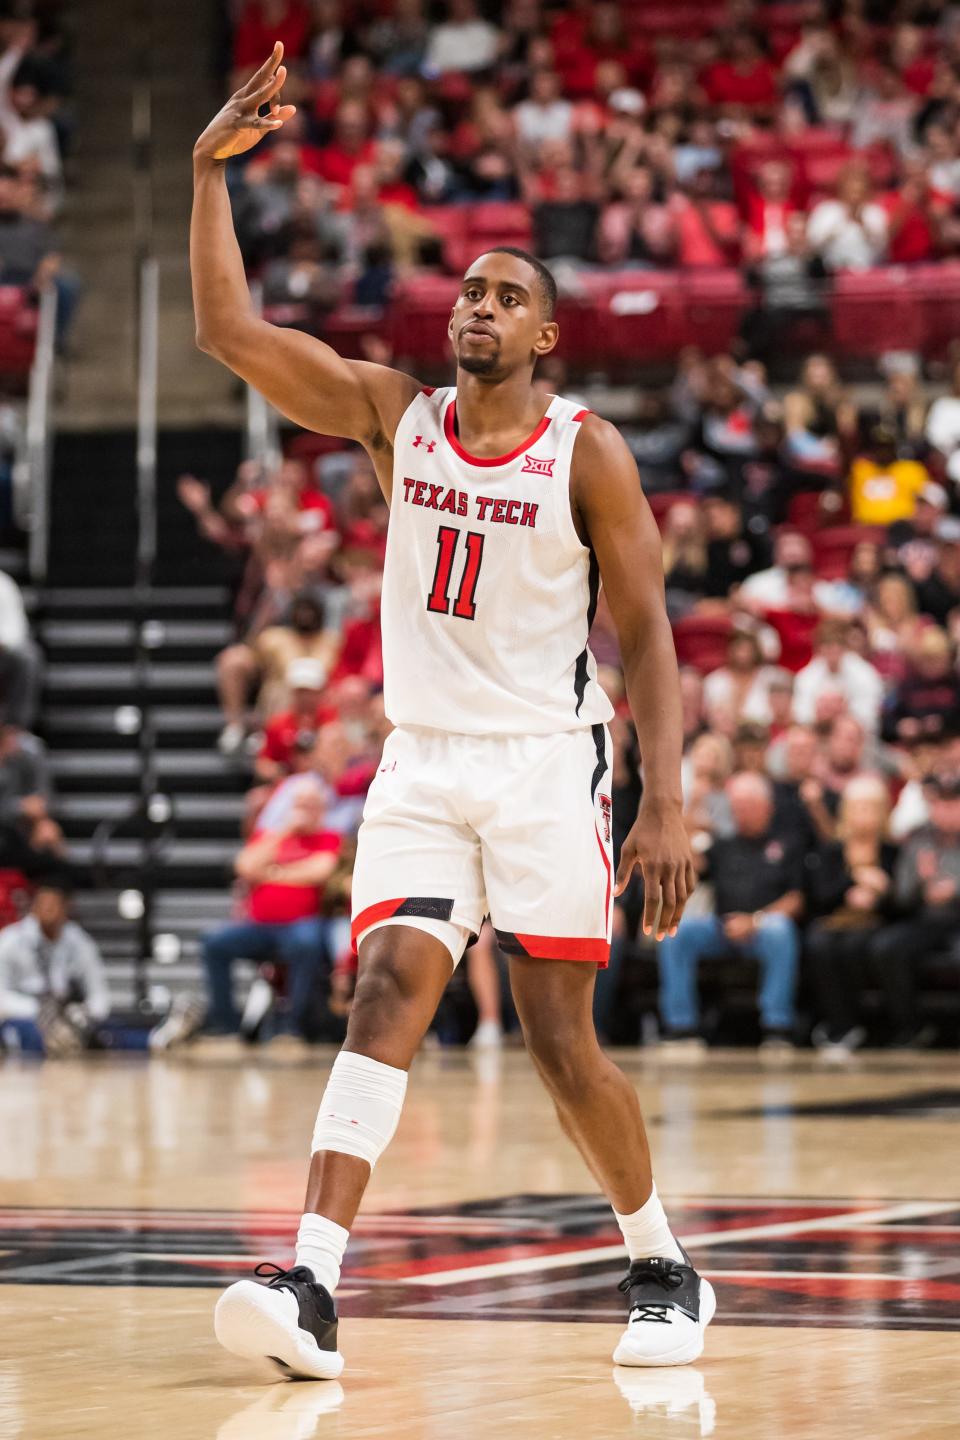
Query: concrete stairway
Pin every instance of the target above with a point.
(175, 39)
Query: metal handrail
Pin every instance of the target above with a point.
(149, 300)
(31, 470)
(262, 427)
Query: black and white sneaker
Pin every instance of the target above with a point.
(291, 1321)
(670, 1308)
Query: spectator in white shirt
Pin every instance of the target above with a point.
(740, 690)
(463, 41)
(546, 115)
(29, 135)
(850, 232)
(772, 589)
(19, 660)
(836, 670)
(52, 977)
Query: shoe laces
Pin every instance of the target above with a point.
(276, 1276)
(661, 1271)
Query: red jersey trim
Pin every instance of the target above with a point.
(555, 947)
(581, 415)
(449, 430)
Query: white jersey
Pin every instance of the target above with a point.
(488, 591)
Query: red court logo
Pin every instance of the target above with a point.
(532, 465)
(430, 444)
(606, 811)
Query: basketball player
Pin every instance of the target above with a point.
(492, 796)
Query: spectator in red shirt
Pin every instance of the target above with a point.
(262, 23)
(769, 206)
(708, 229)
(744, 78)
(351, 145)
(285, 871)
(289, 737)
(913, 215)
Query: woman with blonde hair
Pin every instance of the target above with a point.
(892, 623)
(684, 557)
(851, 889)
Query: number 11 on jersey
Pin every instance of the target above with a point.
(438, 600)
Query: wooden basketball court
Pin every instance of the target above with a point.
(479, 1296)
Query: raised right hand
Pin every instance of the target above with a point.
(239, 126)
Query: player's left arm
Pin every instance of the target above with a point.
(613, 516)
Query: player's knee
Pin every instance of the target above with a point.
(559, 1051)
(384, 991)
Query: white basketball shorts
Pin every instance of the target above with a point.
(456, 827)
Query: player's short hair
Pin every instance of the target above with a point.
(546, 284)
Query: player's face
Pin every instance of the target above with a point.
(497, 325)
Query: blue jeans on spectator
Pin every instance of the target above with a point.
(775, 944)
(300, 945)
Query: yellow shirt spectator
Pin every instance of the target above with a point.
(880, 494)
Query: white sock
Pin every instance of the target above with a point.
(646, 1232)
(320, 1246)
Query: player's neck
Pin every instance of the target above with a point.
(492, 413)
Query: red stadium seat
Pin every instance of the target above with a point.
(307, 445)
(803, 511)
(632, 317)
(418, 317)
(498, 218)
(877, 310)
(936, 291)
(714, 302)
(18, 333)
(701, 641)
(662, 504)
(346, 328)
(833, 547)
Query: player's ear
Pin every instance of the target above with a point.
(547, 337)
(450, 325)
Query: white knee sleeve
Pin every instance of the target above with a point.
(360, 1109)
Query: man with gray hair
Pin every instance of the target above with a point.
(757, 877)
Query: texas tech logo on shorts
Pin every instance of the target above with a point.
(533, 466)
(606, 811)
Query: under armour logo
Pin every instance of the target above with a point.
(533, 466)
(430, 444)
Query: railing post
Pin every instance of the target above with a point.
(262, 428)
(31, 475)
(147, 421)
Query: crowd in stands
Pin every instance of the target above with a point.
(811, 538)
(35, 132)
(797, 139)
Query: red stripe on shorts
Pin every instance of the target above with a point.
(381, 911)
(563, 947)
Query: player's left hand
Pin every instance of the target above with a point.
(658, 842)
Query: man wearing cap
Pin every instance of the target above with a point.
(926, 888)
(290, 736)
(915, 540)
